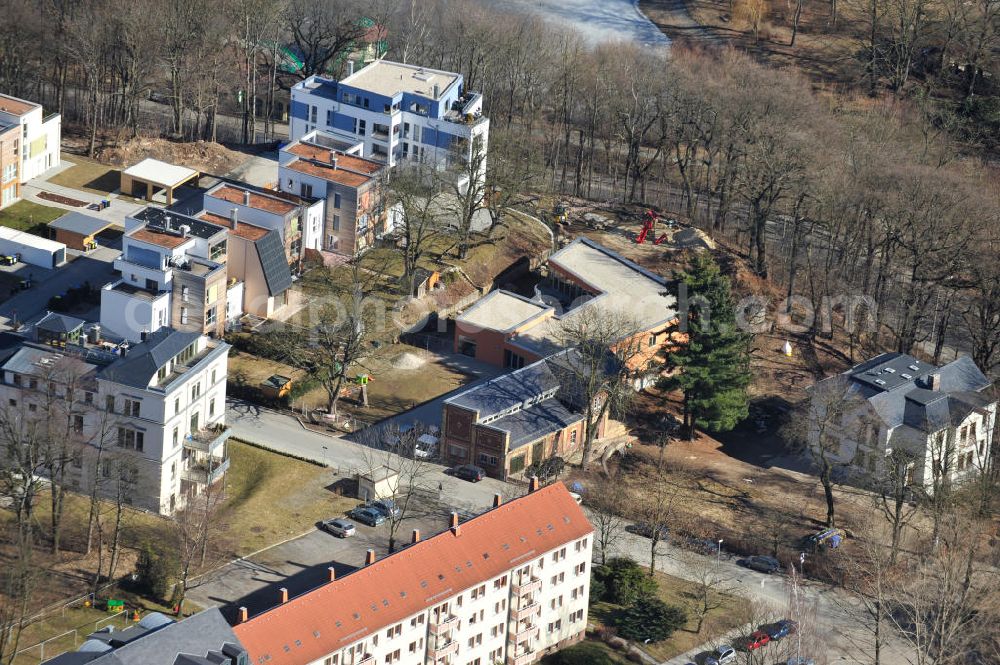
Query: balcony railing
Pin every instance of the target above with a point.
(528, 611)
(528, 586)
(199, 472)
(446, 649)
(520, 635)
(367, 660)
(521, 659)
(442, 625)
(207, 440)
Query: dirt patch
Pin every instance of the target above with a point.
(204, 156)
(408, 360)
(65, 200)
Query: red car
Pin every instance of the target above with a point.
(757, 639)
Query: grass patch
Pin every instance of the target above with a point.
(675, 591)
(272, 497)
(88, 176)
(589, 651)
(30, 216)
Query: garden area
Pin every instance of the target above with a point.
(30, 216)
(87, 175)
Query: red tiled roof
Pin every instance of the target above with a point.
(259, 201)
(342, 612)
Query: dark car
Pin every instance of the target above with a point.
(386, 507)
(469, 472)
(757, 639)
(782, 628)
(763, 564)
(367, 515)
(338, 527)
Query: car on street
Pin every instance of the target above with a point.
(722, 655)
(386, 507)
(757, 639)
(763, 564)
(469, 472)
(646, 530)
(425, 447)
(781, 629)
(366, 515)
(338, 527)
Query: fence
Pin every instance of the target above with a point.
(86, 628)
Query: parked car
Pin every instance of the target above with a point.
(721, 656)
(425, 447)
(386, 507)
(757, 639)
(367, 515)
(764, 564)
(646, 530)
(782, 628)
(338, 527)
(469, 472)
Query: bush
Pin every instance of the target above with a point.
(155, 571)
(598, 589)
(649, 619)
(627, 582)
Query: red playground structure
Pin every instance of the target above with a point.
(649, 225)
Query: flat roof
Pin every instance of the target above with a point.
(159, 238)
(237, 195)
(30, 239)
(328, 172)
(16, 105)
(320, 153)
(243, 230)
(387, 78)
(160, 173)
(77, 222)
(502, 311)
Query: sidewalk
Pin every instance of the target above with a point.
(697, 654)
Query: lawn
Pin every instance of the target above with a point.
(675, 591)
(270, 497)
(89, 176)
(589, 651)
(30, 216)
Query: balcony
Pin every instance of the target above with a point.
(522, 659)
(367, 660)
(445, 624)
(200, 474)
(207, 440)
(520, 635)
(527, 611)
(448, 648)
(530, 586)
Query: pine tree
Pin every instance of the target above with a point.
(714, 366)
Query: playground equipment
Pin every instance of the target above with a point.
(559, 213)
(649, 226)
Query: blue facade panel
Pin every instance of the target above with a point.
(344, 123)
(144, 257)
(300, 110)
(437, 137)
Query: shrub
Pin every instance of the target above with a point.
(649, 619)
(598, 589)
(155, 571)
(626, 582)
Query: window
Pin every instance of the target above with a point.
(500, 583)
(211, 407)
(210, 316)
(177, 405)
(360, 129)
(176, 436)
(312, 114)
(517, 464)
(109, 403)
(572, 437)
(194, 422)
(500, 606)
(395, 631)
(652, 340)
(581, 569)
(306, 190)
(184, 293)
(88, 397)
(496, 655)
(392, 657)
(32, 408)
(131, 407)
(336, 200)
(16, 379)
(475, 640)
(329, 118)
(173, 470)
(195, 391)
(33, 383)
(213, 377)
(576, 616)
(78, 424)
(184, 315)
(130, 439)
(972, 432)
(12, 402)
(336, 223)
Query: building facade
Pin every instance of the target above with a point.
(10, 164)
(147, 419)
(934, 423)
(507, 586)
(511, 422)
(353, 189)
(395, 112)
(40, 136)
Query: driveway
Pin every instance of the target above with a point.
(596, 20)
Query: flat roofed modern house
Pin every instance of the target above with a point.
(352, 187)
(584, 278)
(940, 420)
(10, 163)
(515, 420)
(202, 639)
(157, 408)
(39, 143)
(396, 111)
(507, 586)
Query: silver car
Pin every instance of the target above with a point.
(338, 527)
(722, 655)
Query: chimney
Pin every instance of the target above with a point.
(934, 381)
(497, 500)
(234, 217)
(369, 557)
(533, 484)
(333, 158)
(283, 595)
(416, 537)
(350, 67)
(246, 198)
(332, 573)
(454, 523)
(243, 615)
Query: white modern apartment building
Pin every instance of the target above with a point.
(395, 112)
(40, 136)
(935, 422)
(507, 586)
(152, 412)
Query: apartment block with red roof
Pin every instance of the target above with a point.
(507, 586)
(321, 166)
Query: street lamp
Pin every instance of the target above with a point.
(718, 561)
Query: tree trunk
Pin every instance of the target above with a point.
(795, 21)
(828, 494)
